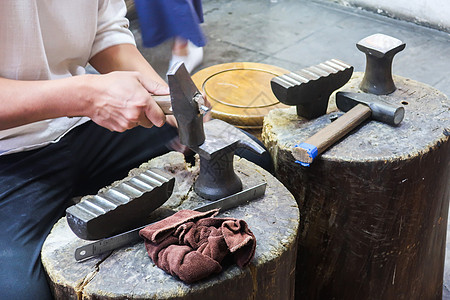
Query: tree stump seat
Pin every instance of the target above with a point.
(374, 206)
(128, 273)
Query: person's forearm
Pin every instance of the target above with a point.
(117, 100)
(124, 57)
(24, 102)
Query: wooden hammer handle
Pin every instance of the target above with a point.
(164, 102)
(319, 142)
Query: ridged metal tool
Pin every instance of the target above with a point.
(120, 207)
(310, 89)
(132, 236)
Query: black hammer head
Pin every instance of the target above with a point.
(381, 110)
(187, 105)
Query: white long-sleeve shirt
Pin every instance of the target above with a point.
(51, 39)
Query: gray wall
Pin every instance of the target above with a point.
(431, 13)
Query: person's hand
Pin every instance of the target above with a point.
(122, 100)
(172, 121)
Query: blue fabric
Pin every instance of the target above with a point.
(36, 187)
(160, 20)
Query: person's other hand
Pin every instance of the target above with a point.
(122, 100)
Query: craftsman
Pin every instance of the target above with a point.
(64, 133)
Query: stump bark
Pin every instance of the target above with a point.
(129, 272)
(374, 206)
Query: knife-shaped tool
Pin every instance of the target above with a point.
(132, 236)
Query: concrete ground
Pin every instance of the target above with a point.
(295, 34)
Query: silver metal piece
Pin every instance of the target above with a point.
(132, 236)
(121, 207)
(204, 109)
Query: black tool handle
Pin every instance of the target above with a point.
(322, 140)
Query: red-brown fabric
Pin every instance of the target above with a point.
(192, 245)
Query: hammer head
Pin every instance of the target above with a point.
(186, 105)
(381, 110)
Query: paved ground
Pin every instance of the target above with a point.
(295, 34)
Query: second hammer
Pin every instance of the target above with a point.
(359, 107)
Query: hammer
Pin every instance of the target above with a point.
(164, 103)
(127, 204)
(358, 107)
(188, 106)
(214, 141)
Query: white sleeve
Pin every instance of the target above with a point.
(112, 26)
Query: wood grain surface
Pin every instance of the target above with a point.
(240, 92)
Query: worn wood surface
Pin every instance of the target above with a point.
(373, 206)
(129, 272)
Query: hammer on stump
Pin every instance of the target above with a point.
(358, 107)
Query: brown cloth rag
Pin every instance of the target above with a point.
(191, 245)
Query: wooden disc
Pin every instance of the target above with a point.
(240, 92)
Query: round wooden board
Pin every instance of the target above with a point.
(240, 92)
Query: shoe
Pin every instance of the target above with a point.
(192, 60)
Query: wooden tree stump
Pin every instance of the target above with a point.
(129, 272)
(374, 206)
